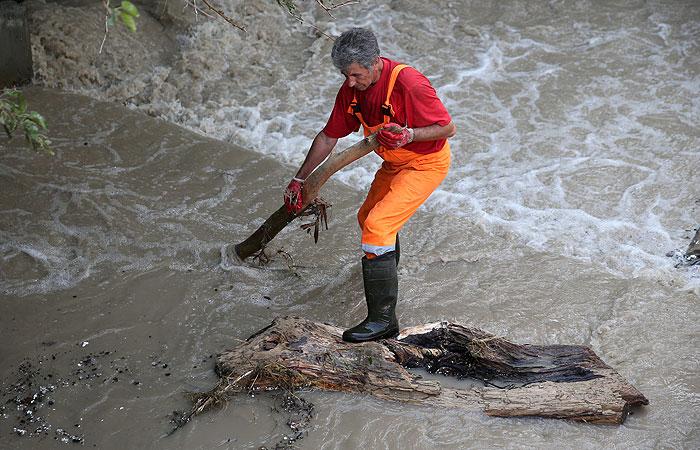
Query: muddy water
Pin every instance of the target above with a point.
(575, 174)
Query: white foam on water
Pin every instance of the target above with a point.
(59, 270)
(573, 137)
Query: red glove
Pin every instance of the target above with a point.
(292, 195)
(390, 139)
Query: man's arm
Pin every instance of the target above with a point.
(434, 132)
(393, 135)
(321, 147)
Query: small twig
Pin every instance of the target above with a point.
(325, 8)
(328, 9)
(253, 384)
(197, 9)
(109, 13)
(260, 257)
(221, 14)
(242, 376)
(288, 258)
(319, 209)
(303, 22)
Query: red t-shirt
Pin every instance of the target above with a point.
(413, 99)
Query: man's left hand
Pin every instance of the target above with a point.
(293, 196)
(393, 136)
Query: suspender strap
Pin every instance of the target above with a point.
(354, 109)
(387, 110)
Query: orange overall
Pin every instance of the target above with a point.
(403, 182)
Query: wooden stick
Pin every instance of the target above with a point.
(281, 218)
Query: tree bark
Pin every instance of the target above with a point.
(281, 218)
(555, 381)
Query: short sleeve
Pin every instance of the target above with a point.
(423, 107)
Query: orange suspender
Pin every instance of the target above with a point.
(387, 110)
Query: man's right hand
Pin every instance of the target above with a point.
(292, 196)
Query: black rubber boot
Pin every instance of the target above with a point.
(381, 292)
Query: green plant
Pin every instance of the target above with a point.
(14, 115)
(126, 13)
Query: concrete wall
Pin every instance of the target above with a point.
(15, 48)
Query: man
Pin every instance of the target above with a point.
(412, 125)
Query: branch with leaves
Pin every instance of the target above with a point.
(14, 115)
(126, 13)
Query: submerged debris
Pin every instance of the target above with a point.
(300, 413)
(262, 258)
(279, 381)
(691, 257)
(32, 394)
(39, 387)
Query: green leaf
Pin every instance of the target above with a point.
(30, 127)
(37, 119)
(289, 4)
(13, 95)
(19, 104)
(130, 9)
(128, 21)
(10, 123)
(14, 114)
(43, 144)
(112, 19)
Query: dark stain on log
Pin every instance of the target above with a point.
(459, 354)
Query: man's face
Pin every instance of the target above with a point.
(360, 77)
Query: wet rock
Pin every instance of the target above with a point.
(691, 256)
(693, 252)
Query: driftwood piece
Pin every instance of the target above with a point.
(555, 381)
(281, 218)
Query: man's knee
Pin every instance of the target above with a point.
(370, 225)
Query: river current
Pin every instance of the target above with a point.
(573, 193)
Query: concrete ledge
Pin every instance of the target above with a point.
(15, 47)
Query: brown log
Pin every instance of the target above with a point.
(281, 218)
(555, 381)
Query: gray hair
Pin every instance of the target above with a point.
(358, 45)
